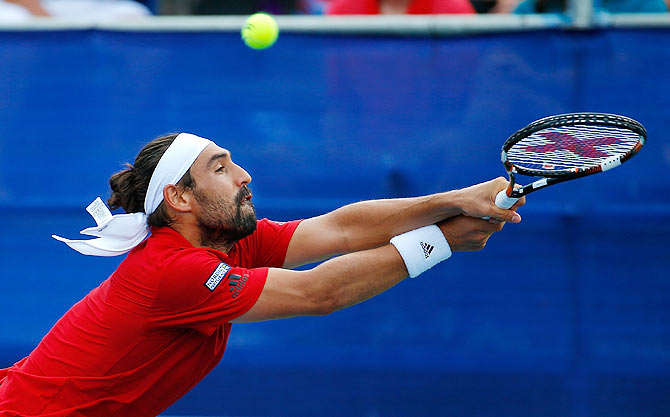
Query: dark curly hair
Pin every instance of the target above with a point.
(129, 187)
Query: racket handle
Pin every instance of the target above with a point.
(503, 201)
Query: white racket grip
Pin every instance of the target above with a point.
(503, 201)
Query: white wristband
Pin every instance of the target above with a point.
(422, 249)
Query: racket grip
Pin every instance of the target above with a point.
(503, 201)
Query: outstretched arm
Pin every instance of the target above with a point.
(370, 224)
(353, 278)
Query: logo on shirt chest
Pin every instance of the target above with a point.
(217, 276)
(236, 283)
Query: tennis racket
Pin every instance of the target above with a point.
(566, 147)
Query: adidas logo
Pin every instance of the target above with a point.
(236, 283)
(232, 282)
(427, 248)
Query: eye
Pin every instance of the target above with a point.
(221, 169)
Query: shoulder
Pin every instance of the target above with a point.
(185, 273)
(192, 262)
(198, 288)
(267, 245)
(272, 226)
(166, 256)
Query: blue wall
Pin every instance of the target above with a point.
(566, 314)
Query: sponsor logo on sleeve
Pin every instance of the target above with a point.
(236, 283)
(217, 276)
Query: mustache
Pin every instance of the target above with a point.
(244, 192)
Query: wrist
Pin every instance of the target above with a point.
(453, 202)
(422, 248)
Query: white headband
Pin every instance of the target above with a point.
(118, 234)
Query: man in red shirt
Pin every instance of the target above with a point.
(160, 322)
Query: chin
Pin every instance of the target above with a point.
(249, 224)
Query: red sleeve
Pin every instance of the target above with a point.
(199, 291)
(267, 246)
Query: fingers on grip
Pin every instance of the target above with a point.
(503, 201)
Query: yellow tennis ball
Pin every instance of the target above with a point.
(260, 31)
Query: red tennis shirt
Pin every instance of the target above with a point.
(147, 334)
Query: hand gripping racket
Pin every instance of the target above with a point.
(565, 147)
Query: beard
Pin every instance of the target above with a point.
(224, 222)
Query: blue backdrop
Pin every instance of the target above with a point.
(566, 314)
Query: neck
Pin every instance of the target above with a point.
(203, 239)
(215, 240)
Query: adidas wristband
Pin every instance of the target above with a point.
(422, 249)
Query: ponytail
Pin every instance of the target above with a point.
(123, 192)
(129, 187)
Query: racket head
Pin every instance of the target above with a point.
(573, 145)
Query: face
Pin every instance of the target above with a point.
(223, 206)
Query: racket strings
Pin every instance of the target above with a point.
(571, 147)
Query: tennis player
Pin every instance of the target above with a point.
(199, 260)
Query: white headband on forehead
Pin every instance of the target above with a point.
(118, 234)
(174, 163)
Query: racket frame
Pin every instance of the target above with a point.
(568, 119)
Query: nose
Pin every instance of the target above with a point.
(243, 177)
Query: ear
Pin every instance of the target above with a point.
(178, 198)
